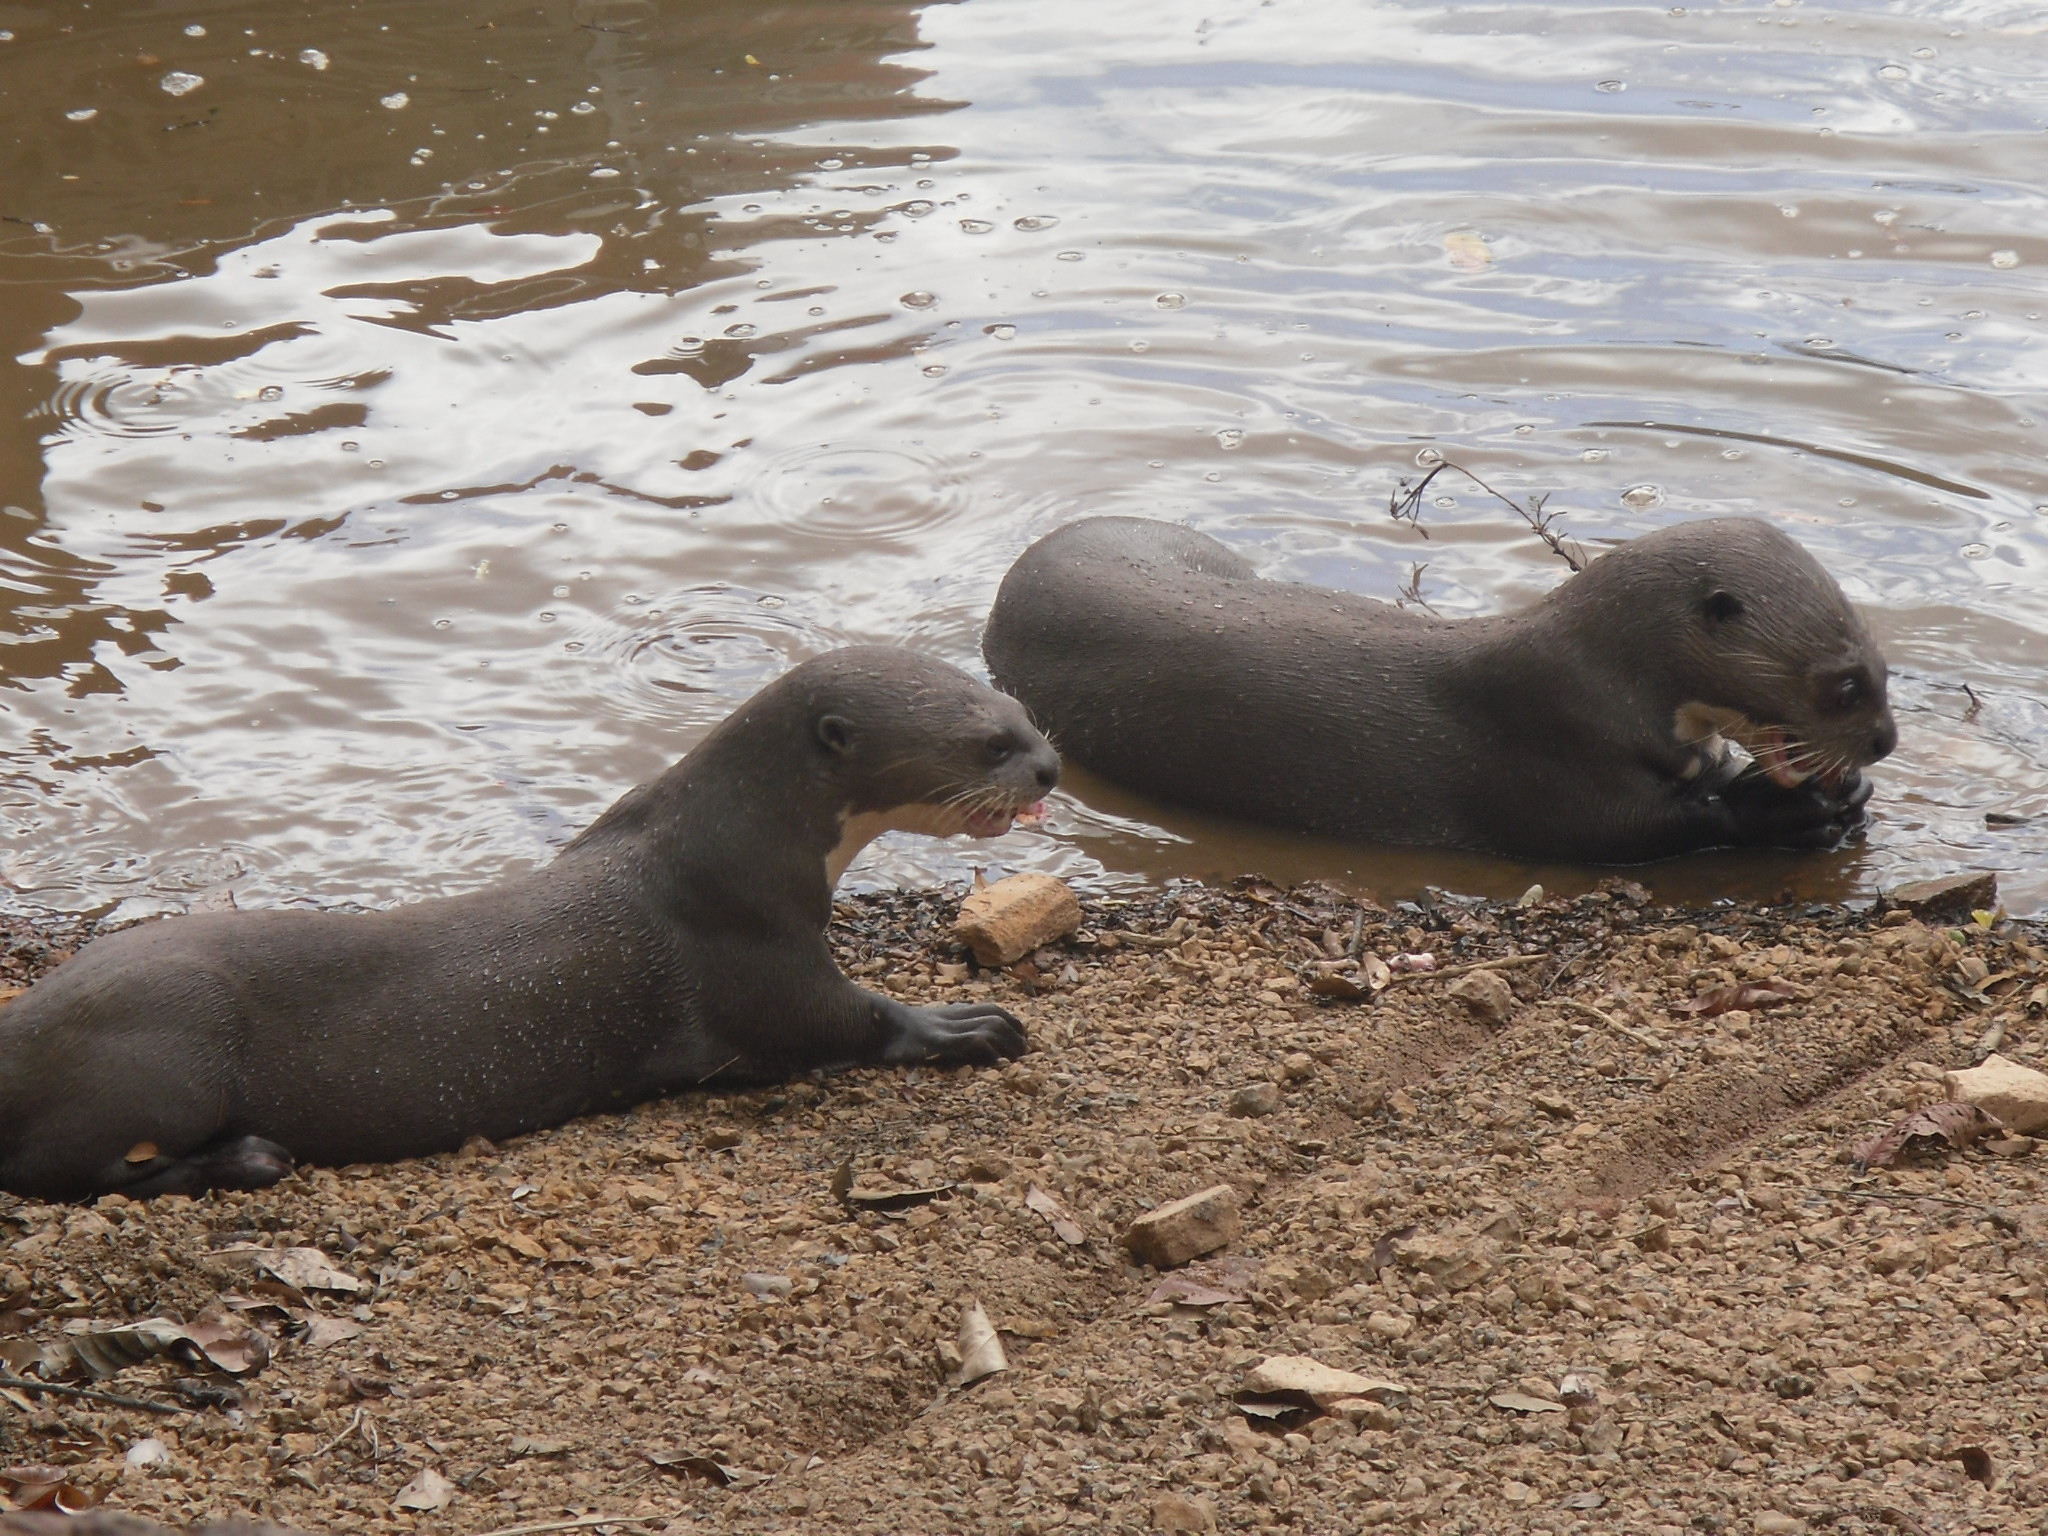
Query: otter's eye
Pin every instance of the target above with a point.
(1847, 693)
(1001, 747)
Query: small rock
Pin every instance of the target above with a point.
(767, 1286)
(1255, 1100)
(1175, 1514)
(1367, 1414)
(1490, 999)
(719, 1138)
(1184, 1229)
(1005, 921)
(1298, 1066)
(1771, 1523)
(1390, 1325)
(1950, 899)
(2015, 1094)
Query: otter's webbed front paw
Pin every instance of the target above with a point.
(954, 1034)
(1767, 814)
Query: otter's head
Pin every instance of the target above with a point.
(1770, 656)
(910, 744)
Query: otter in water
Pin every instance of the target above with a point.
(678, 939)
(1593, 726)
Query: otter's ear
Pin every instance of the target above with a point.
(1721, 606)
(836, 732)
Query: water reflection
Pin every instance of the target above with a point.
(432, 420)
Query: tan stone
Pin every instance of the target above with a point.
(1184, 1229)
(1177, 1515)
(2017, 1095)
(1490, 998)
(1004, 922)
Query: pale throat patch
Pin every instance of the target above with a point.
(857, 831)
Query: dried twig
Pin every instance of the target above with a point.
(1646, 1041)
(87, 1395)
(1504, 963)
(1405, 506)
(581, 1522)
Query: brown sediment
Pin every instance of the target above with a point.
(1607, 1184)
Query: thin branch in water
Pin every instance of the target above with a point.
(1404, 505)
(1411, 590)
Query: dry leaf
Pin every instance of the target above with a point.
(1064, 1226)
(45, 1488)
(888, 1200)
(1321, 1384)
(1523, 1402)
(110, 1350)
(428, 1492)
(325, 1332)
(305, 1269)
(981, 1352)
(226, 1346)
(690, 1464)
(1184, 1290)
(1937, 1127)
(141, 1152)
(1747, 994)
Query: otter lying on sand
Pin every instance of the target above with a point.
(1591, 726)
(680, 938)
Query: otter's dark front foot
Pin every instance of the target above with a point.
(1807, 815)
(247, 1162)
(955, 1034)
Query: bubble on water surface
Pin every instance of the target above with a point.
(1428, 458)
(82, 115)
(1069, 256)
(1642, 497)
(2004, 259)
(1612, 87)
(180, 83)
(1000, 332)
(1594, 456)
(395, 100)
(1229, 438)
(195, 30)
(1976, 551)
(602, 172)
(1171, 301)
(313, 58)
(1891, 71)
(917, 298)
(1031, 223)
(975, 226)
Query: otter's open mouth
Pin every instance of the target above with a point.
(1785, 759)
(996, 823)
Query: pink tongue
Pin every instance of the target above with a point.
(1772, 757)
(996, 823)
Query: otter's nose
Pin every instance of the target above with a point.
(1883, 739)
(1048, 769)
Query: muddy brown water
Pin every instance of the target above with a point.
(427, 420)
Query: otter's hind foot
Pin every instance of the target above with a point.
(246, 1162)
(953, 1034)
